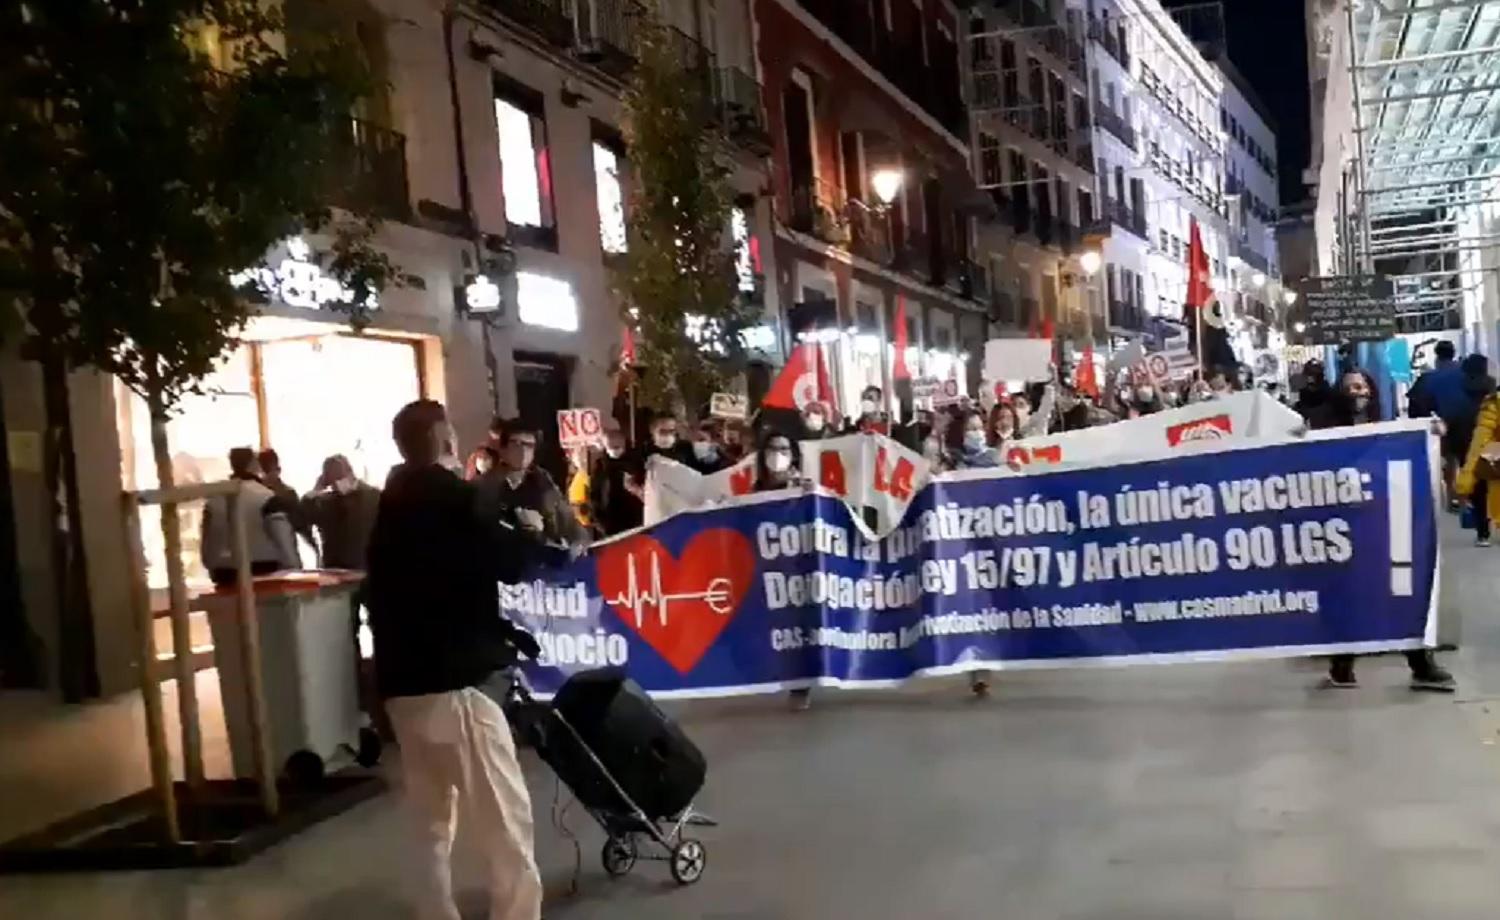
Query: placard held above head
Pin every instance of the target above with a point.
(1029, 360)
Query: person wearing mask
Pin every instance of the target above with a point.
(482, 458)
(1481, 465)
(777, 466)
(734, 442)
(614, 506)
(708, 453)
(267, 521)
(665, 441)
(1355, 402)
(520, 494)
(433, 565)
(872, 417)
(815, 425)
(969, 449)
(1021, 405)
(1004, 426)
(968, 444)
(1312, 399)
(1220, 383)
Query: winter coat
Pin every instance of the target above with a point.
(1486, 431)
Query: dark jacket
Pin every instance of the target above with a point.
(536, 491)
(344, 521)
(614, 508)
(1440, 392)
(1476, 388)
(433, 566)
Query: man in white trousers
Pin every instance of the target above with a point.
(434, 611)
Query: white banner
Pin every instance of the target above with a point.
(1240, 416)
(672, 487)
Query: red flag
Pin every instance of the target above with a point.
(901, 371)
(627, 348)
(1047, 328)
(804, 380)
(1086, 380)
(1199, 290)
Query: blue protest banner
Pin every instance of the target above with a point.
(1316, 546)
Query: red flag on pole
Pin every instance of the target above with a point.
(804, 380)
(901, 371)
(1086, 380)
(627, 348)
(1199, 289)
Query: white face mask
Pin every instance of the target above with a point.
(778, 461)
(1145, 394)
(974, 440)
(664, 441)
(868, 407)
(815, 423)
(614, 453)
(705, 450)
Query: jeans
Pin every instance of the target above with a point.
(1480, 498)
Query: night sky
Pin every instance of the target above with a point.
(1268, 44)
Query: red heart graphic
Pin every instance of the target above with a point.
(679, 606)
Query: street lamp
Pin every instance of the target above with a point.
(1258, 279)
(1299, 327)
(887, 184)
(1090, 261)
(1289, 297)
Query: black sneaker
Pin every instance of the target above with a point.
(1340, 680)
(1434, 679)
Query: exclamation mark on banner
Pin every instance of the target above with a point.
(1399, 519)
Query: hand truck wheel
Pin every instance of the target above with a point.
(618, 856)
(689, 859)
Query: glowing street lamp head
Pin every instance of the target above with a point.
(1258, 279)
(887, 184)
(1090, 262)
(1289, 297)
(1299, 328)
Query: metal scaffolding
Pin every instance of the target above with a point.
(1425, 77)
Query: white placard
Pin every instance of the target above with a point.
(1018, 359)
(580, 428)
(729, 406)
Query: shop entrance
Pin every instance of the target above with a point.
(307, 389)
(541, 392)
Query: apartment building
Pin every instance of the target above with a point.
(1160, 159)
(872, 192)
(1033, 152)
(1251, 190)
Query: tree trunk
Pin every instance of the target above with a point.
(20, 651)
(182, 645)
(78, 671)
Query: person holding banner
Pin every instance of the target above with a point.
(778, 466)
(969, 445)
(708, 455)
(522, 495)
(1356, 402)
(815, 422)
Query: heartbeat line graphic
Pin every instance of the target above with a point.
(716, 594)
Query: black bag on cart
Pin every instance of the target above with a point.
(645, 752)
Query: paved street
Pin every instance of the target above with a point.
(1222, 791)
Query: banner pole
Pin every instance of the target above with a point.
(1202, 356)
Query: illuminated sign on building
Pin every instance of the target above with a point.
(296, 280)
(547, 302)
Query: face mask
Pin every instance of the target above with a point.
(974, 440)
(705, 450)
(615, 453)
(1145, 394)
(1360, 403)
(868, 407)
(778, 461)
(664, 441)
(931, 449)
(815, 423)
(450, 463)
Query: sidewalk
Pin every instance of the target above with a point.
(1194, 791)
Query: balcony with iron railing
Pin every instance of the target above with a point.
(1177, 106)
(737, 99)
(1122, 215)
(973, 280)
(898, 58)
(1179, 174)
(1110, 37)
(1111, 121)
(869, 232)
(1241, 250)
(375, 181)
(603, 33)
(818, 208)
(1126, 316)
(913, 254)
